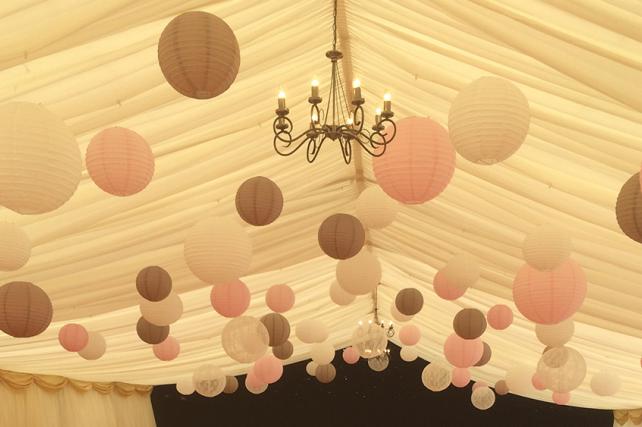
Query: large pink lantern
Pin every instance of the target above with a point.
(230, 299)
(167, 350)
(350, 355)
(419, 164)
(409, 335)
(461, 377)
(446, 290)
(549, 297)
(500, 317)
(280, 298)
(268, 369)
(252, 381)
(73, 337)
(463, 353)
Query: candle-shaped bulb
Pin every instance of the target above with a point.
(315, 83)
(281, 100)
(349, 121)
(356, 83)
(378, 111)
(281, 94)
(387, 96)
(315, 117)
(315, 88)
(387, 102)
(377, 115)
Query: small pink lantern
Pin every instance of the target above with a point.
(350, 355)
(167, 350)
(252, 381)
(500, 317)
(460, 377)
(73, 337)
(409, 335)
(268, 369)
(420, 163)
(446, 290)
(561, 398)
(479, 384)
(538, 382)
(230, 299)
(463, 353)
(549, 297)
(279, 298)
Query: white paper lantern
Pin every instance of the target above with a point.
(311, 331)
(379, 364)
(436, 377)
(40, 160)
(546, 247)
(369, 339)
(322, 353)
(218, 250)
(311, 367)
(408, 354)
(339, 296)
(209, 380)
(518, 379)
(185, 386)
(163, 312)
(95, 348)
(488, 120)
(15, 247)
(562, 369)
(360, 274)
(462, 271)
(555, 335)
(245, 339)
(375, 209)
(482, 398)
(605, 383)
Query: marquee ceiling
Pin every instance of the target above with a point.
(94, 64)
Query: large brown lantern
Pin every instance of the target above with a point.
(341, 236)
(409, 301)
(153, 283)
(259, 201)
(25, 309)
(278, 328)
(469, 323)
(150, 333)
(628, 208)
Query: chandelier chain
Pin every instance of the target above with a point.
(334, 27)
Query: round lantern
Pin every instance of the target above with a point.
(164, 312)
(199, 55)
(398, 316)
(95, 348)
(268, 369)
(460, 377)
(259, 201)
(185, 386)
(369, 339)
(444, 289)
(605, 383)
(231, 384)
(628, 208)
(562, 369)
(409, 301)
(341, 236)
(538, 382)
(209, 380)
(561, 398)
(283, 351)
(279, 298)
(375, 209)
(501, 388)
(478, 384)
(486, 355)
(153, 283)
(549, 297)
(339, 296)
(500, 317)
(350, 355)
(245, 339)
(483, 398)
(25, 309)
(254, 387)
(167, 350)
(325, 373)
(436, 377)
(150, 333)
(360, 274)
(73, 337)
(230, 299)
(119, 161)
(379, 363)
(469, 323)
(311, 368)
(546, 247)
(555, 335)
(408, 354)
(278, 328)
(322, 353)
(15, 247)
(462, 271)
(311, 331)
(41, 164)
(409, 335)
(488, 120)
(419, 165)
(463, 353)
(217, 250)
(518, 379)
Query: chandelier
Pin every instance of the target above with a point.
(338, 121)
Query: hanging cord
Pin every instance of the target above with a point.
(334, 27)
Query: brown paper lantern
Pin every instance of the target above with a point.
(628, 208)
(341, 236)
(283, 351)
(469, 323)
(485, 356)
(150, 333)
(325, 373)
(231, 384)
(278, 328)
(25, 309)
(409, 301)
(501, 388)
(153, 283)
(199, 55)
(259, 201)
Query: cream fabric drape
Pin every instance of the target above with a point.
(624, 418)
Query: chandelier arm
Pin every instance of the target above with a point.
(283, 140)
(370, 143)
(346, 148)
(358, 119)
(314, 149)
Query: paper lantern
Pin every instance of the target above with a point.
(360, 274)
(341, 236)
(462, 271)
(628, 208)
(409, 335)
(278, 328)
(561, 398)
(231, 384)
(268, 369)
(153, 283)
(478, 384)
(15, 247)
(469, 323)
(25, 309)
(409, 301)
(486, 355)
(562, 369)
(164, 312)
(483, 398)
(350, 355)
(311, 368)
(446, 290)
(245, 339)
(41, 164)
(150, 333)
(555, 335)
(322, 353)
(325, 373)
(419, 165)
(199, 55)
(369, 339)
(538, 382)
(120, 161)
(460, 377)
(488, 120)
(436, 377)
(605, 383)
(95, 348)
(185, 386)
(167, 350)
(217, 250)
(259, 201)
(283, 351)
(500, 317)
(230, 299)
(398, 316)
(209, 380)
(518, 379)
(255, 389)
(73, 337)
(501, 388)
(339, 296)
(279, 298)
(311, 331)
(408, 354)
(379, 364)
(546, 247)
(463, 353)
(375, 209)
(548, 297)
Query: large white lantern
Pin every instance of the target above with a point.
(209, 380)
(375, 209)
(546, 247)
(562, 368)
(15, 247)
(360, 274)
(436, 377)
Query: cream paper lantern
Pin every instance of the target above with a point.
(462, 271)
(322, 353)
(95, 348)
(546, 247)
(562, 369)
(555, 335)
(436, 377)
(360, 274)
(41, 163)
(339, 296)
(379, 364)
(482, 398)
(408, 354)
(375, 209)
(311, 331)
(394, 312)
(245, 339)
(164, 312)
(209, 380)
(185, 386)
(488, 120)
(518, 379)
(15, 247)
(605, 383)
(311, 368)
(369, 339)
(218, 250)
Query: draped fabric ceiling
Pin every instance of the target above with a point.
(94, 64)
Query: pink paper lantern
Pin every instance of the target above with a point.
(350, 355)
(479, 384)
(561, 398)
(120, 161)
(538, 382)
(252, 381)
(167, 350)
(463, 353)
(73, 337)
(409, 335)
(230, 299)
(419, 164)
(549, 297)
(268, 369)
(460, 377)
(446, 290)
(500, 317)
(279, 298)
